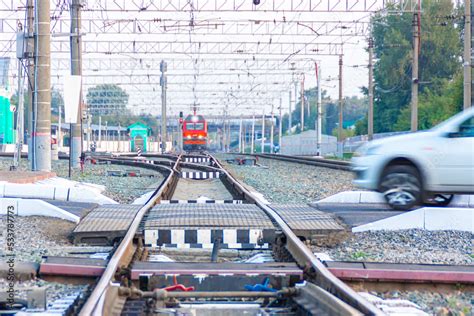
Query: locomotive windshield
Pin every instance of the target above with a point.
(195, 126)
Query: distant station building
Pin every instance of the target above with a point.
(6, 121)
(7, 134)
(139, 133)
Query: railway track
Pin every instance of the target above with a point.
(153, 254)
(131, 278)
(319, 162)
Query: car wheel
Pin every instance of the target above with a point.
(401, 187)
(438, 199)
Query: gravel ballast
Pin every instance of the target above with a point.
(36, 236)
(287, 182)
(121, 189)
(405, 246)
(442, 304)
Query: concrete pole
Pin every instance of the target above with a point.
(319, 119)
(253, 135)
(302, 104)
(76, 69)
(244, 138)
(370, 121)
(414, 85)
(289, 114)
(271, 132)
(30, 44)
(296, 94)
(19, 125)
(228, 135)
(60, 123)
(88, 132)
(43, 87)
(224, 132)
(263, 133)
(280, 125)
(467, 55)
(163, 69)
(100, 132)
(119, 147)
(341, 106)
(240, 135)
(106, 138)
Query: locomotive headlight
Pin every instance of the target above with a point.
(194, 119)
(188, 137)
(200, 136)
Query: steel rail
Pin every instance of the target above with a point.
(97, 297)
(320, 162)
(305, 258)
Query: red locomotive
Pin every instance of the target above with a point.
(194, 133)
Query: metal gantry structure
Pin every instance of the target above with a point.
(221, 54)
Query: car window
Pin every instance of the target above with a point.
(466, 129)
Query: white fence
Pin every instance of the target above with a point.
(305, 144)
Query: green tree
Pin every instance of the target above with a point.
(56, 101)
(439, 61)
(435, 106)
(107, 99)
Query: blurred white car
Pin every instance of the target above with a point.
(424, 167)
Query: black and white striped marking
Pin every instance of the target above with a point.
(201, 202)
(197, 159)
(200, 175)
(142, 159)
(203, 238)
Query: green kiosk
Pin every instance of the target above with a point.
(138, 136)
(7, 135)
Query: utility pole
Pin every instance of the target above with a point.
(253, 134)
(271, 132)
(30, 45)
(370, 121)
(289, 114)
(100, 132)
(280, 125)
(244, 138)
(119, 145)
(88, 139)
(414, 76)
(228, 135)
(302, 103)
(163, 84)
(467, 55)
(240, 134)
(106, 137)
(43, 87)
(319, 119)
(60, 123)
(263, 133)
(19, 122)
(75, 143)
(472, 56)
(341, 106)
(296, 93)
